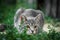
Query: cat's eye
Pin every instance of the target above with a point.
(35, 26)
(28, 26)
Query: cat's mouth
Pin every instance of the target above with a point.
(31, 32)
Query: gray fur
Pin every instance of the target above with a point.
(34, 17)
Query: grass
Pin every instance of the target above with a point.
(12, 34)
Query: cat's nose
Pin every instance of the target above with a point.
(32, 31)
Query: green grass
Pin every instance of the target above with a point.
(13, 34)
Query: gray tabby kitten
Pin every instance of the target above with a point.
(33, 20)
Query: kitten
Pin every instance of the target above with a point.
(33, 20)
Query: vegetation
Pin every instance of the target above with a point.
(12, 34)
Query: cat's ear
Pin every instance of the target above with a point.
(24, 18)
(39, 19)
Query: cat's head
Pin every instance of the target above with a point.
(32, 24)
